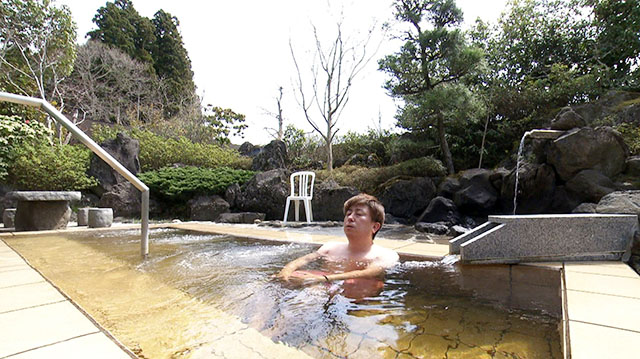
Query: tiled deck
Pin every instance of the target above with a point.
(36, 321)
(602, 303)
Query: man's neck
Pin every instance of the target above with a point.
(362, 245)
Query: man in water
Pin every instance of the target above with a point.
(357, 259)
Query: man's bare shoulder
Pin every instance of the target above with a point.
(384, 257)
(333, 248)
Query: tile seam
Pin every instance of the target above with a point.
(605, 326)
(50, 344)
(21, 284)
(600, 293)
(33, 306)
(606, 275)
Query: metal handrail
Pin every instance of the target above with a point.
(93, 146)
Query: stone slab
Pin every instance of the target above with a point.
(590, 341)
(603, 284)
(26, 329)
(552, 238)
(44, 195)
(19, 277)
(28, 295)
(94, 346)
(617, 269)
(603, 309)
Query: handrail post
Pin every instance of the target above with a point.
(99, 151)
(144, 241)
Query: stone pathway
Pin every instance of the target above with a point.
(37, 321)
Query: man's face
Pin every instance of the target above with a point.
(358, 222)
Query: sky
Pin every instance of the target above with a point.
(240, 54)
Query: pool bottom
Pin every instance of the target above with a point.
(158, 316)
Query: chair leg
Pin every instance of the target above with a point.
(307, 210)
(310, 211)
(286, 210)
(297, 204)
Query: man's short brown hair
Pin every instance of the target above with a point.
(376, 209)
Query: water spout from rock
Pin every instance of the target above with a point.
(520, 149)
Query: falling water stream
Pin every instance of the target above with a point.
(520, 150)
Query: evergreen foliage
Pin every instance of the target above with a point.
(171, 61)
(156, 42)
(177, 183)
(430, 70)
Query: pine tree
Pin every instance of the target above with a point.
(172, 62)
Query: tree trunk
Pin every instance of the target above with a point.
(329, 156)
(484, 136)
(445, 147)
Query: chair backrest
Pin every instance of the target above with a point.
(300, 184)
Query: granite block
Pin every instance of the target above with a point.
(454, 244)
(552, 238)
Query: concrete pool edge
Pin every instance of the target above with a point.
(578, 330)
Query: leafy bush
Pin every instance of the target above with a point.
(182, 182)
(157, 151)
(303, 150)
(631, 135)
(14, 132)
(369, 179)
(372, 142)
(41, 166)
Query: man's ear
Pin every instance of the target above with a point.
(376, 227)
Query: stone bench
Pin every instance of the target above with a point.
(42, 210)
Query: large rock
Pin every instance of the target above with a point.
(441, 209)
(407, 198)
(448, 187)
(266, 192)
(272, 156)
(600, 149)
(626, 202)
(536, 187)
(590, 186)
(248, 149)
(231, 193)
(207, 208)
(124, 198)
(328, 200)
(633, 166)
(125, 150)
(567, 119)
(476, 194)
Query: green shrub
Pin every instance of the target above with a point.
(41, 166)
(631, 135)
(157, 151)
(369, 179)
(178, 183)
(14, 132)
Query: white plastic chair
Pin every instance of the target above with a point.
(301, 190)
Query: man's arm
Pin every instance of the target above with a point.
(297, 263)
(371, 271)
